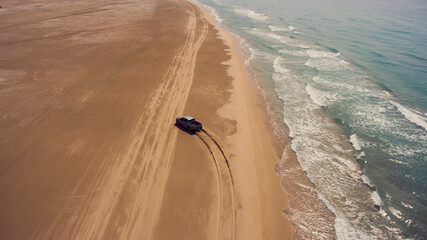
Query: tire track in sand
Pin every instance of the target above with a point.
(226, 182)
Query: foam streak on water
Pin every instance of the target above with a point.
(412, 116)
(355, 142)
(251, 14)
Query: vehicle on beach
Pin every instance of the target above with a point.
(188, 123)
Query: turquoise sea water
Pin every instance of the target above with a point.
(349, 80)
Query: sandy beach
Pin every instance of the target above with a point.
(89, 93)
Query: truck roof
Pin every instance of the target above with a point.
(186, 117)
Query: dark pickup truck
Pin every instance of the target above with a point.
(188, 123)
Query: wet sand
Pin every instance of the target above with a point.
(89, 92)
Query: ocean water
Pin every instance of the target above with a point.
(348, 79)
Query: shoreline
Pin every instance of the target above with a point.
(259, 100)
(287, 157)
(258, 109)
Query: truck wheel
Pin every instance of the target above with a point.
(189, 129)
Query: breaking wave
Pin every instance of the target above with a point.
(251, 14)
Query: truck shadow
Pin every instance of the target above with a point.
(185, 130)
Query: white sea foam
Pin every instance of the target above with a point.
(349, 167)
(361, 154)
(325, 61)
(355, 142)
(251, 14)
(376, 198)
(398, 162)
(333, 84)
(259, 32)
(343, 228)
(315, 96)
(252, 54)
(251, 57)
(344, 62)
(321, 54)
(275, 36)
(277, 29)
(407, 205)
(293, 52)
(283, 39)
(214, 13)
(291, 28)
(324, 64)
(318, 79)
(396, 212)
(412, 116)
(367, 181)
(279, 66)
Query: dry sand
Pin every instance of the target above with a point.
(89, 91)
